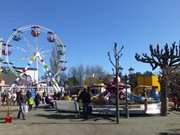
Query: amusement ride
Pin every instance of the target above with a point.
(31, 47)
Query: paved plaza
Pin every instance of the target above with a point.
(48, 122)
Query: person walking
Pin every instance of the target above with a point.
(21, 99)
(85, 98)
(37, 100)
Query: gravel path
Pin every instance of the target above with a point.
(48, 122)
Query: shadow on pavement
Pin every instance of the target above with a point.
(57, 116)
(171, 132)
(74, 117)
(101, 117)
(166, 133)
(70, 123)
(49, 110)
(176, 112)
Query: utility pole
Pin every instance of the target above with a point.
(117, 55)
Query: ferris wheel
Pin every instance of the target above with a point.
(35, 47)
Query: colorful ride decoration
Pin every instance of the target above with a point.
(106, 93)
(111, 87)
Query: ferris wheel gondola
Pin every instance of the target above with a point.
(18, 35)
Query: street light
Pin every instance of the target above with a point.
(127, 79)
(126, 106)
(131, 71)
(131, 77)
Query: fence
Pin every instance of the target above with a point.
(48, 89)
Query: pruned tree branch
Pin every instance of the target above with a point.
(117, 55)
(109, 56)
(168, 56)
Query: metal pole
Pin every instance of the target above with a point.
(37, 68)
(127, 109)
(117, 92)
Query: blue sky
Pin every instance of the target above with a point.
(90, 27)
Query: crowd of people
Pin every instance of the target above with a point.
(25, 99)
(32, 98)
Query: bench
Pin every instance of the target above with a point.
(67, 106)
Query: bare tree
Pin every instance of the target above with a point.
(167, 59)
(116, 65)
(97, 70)
(78, 73)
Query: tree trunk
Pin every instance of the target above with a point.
(117, 94)
(163, 97)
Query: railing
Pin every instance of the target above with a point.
(48, 89)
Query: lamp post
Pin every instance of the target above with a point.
(131, 71)
(131, 77)
(126, 105)
(127, 81)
